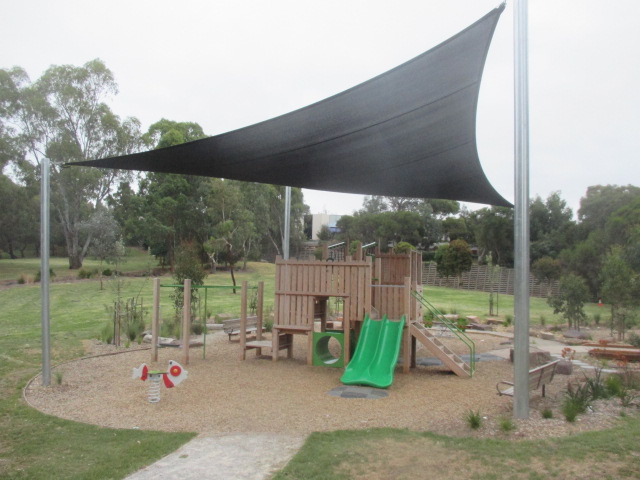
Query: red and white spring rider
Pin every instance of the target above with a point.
(172, 377)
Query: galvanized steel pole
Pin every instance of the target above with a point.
(287, 223)
(44, 272)
(521, 287)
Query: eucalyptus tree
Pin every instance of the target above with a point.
(64, 116)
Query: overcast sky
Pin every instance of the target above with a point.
(229, 64)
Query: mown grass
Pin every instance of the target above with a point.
(135, 260)
(477, 303)
(403, 454)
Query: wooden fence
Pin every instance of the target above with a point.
(479, 278)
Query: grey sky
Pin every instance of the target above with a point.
(228, 64)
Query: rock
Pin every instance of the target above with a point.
(576, 334)
(479, 326)
(547, 336)
(473, 319)
(494, 321)
(536, 357)
(452, 317)
(564, 367)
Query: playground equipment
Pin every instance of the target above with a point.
(186, 315)
(390, 285)
(376, 354)
(174, 375)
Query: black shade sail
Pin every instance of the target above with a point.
(410, 132)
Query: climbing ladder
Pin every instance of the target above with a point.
(440, 350)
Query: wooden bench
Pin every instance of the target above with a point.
(538, 377)
(232, 327)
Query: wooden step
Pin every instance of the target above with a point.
(443, 353)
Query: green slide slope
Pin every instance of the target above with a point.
(376, 354)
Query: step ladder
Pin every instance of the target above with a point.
(449, 358)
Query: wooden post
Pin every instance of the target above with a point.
(259, 315)
(358, 255)
(243, 321)
(155, 320)
(186, 320)
(325, 251)
(406, 331)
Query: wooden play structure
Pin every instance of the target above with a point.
(186, 319)
(389, 285)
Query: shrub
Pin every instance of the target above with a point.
(507, 425)
(614, 385)
(596, 318)
(474, 419)
(268, 324)
(570, 409)
(59, 376)
(634, 339)
(52, 275)
(107, 272)
(508, 320)
(547, 413)
(596, 386)
(84, 274)
(577, 398)
(106, 334)
(197, 328)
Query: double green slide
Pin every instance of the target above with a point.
(376, 354)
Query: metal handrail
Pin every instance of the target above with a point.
(453, 328)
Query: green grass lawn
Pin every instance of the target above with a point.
(37, 446)
(135, 260)
(406, 455)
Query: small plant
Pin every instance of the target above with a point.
(22, 280)
(508, 320)
(547, 413)
(36, 278)
(596, 319)
(577, 399)
(507, 425)
(543, 320)
(59, 374)
(268, 324)
(453, 310)
(462, 323)
(85, 274)
(634, 339)
(596, 385)
(197, 328)
(570, 410)
(474, 419)
(106, 334)
(614, 385)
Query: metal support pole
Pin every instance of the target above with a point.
(287, 223)
(44, 272)
(521, 290)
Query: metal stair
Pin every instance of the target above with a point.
(440, 350)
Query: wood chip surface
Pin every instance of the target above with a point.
(224, 394)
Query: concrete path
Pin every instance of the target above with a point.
(235, 456)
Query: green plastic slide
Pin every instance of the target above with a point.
(376, 354)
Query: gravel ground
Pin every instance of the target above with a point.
(224, 395)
